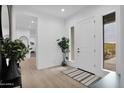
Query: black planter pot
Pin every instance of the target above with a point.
(11, 76)
(0, 44)
(12, 71)
(11, 83)
(64, 62)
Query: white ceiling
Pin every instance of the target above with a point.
(54, 10)
(25, 22)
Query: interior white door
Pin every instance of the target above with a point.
(84, 44)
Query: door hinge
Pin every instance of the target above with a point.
(94, 21)
(94, 50)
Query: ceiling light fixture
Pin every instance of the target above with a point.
(32, 22)
(62, 10)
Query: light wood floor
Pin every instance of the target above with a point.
(110, 64)
(47, 78)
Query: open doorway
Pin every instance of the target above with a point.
(109, 41)
(72, 43)
(26, 30)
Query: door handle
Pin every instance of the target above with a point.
(78, 50)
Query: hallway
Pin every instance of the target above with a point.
(47, 78)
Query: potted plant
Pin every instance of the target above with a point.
(64, 45)
(14, 51)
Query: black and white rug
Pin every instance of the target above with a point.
(82, 76)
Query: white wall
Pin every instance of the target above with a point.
(49, 30)
(122, 44)
(5, 31)
(97, 12)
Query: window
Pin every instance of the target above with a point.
(109, 42)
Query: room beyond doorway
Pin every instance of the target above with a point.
(26, 30)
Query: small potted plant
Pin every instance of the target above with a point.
(14, 51)
(64, 45)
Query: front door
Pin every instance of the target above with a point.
(84, 44)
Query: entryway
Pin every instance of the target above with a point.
(109, 41)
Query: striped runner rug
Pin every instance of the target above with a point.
(82, 76)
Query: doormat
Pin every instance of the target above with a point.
(82, 76)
